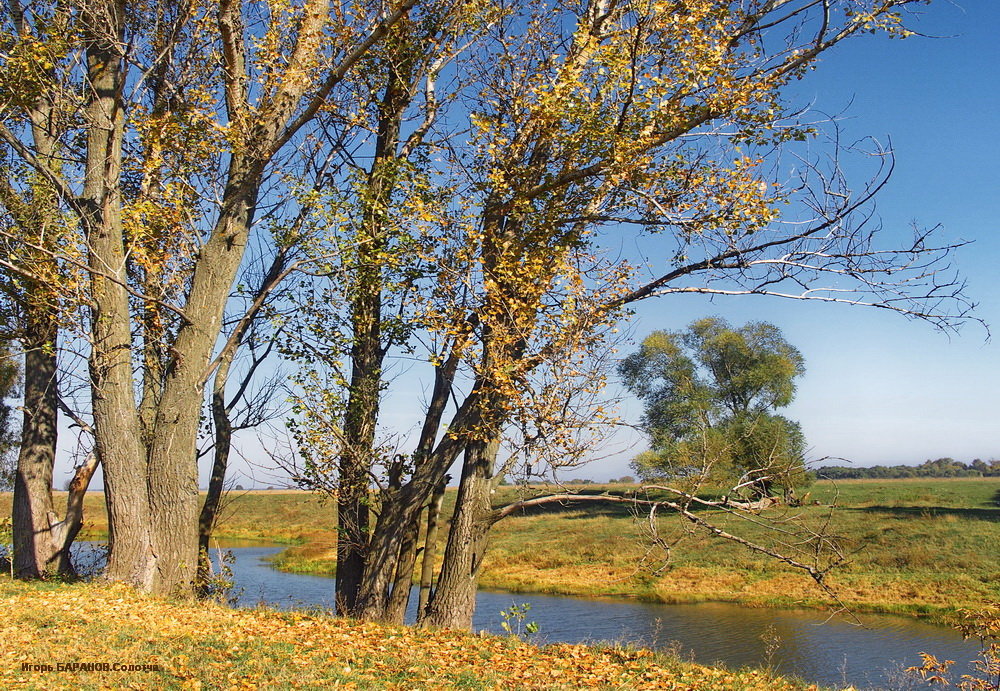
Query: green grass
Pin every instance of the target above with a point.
(923, 547)
(918, 546)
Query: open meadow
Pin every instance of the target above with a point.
(923, 547)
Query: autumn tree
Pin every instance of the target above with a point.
(657, 120)
(39, 278)
(476, 166)
(711, 394)
(183, 108)
(664, 122)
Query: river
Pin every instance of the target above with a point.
(831, 652)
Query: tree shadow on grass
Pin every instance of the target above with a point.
(572, 510)
(591, 509)
(931, 512)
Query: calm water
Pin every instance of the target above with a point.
(831, 653)
(834, 653)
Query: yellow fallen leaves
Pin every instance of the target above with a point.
(197, 645)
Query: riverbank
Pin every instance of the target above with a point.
(82, 631)
(924, 547)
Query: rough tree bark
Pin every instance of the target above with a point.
(118, 440)
(454, 600)
(35, 553)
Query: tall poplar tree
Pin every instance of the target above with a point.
(182, 109)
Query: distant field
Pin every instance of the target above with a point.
(920, 546)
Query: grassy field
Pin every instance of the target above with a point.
(922, 547)
(919, 547)
(78, 636)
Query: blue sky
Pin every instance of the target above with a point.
(880, 388)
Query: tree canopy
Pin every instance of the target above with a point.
(710, 395)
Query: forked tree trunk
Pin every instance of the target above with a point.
(173, 470)
(454, 601)
(118, 441)
(432, 463)
(381, 566)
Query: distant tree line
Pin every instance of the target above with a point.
(942, 467)
(624, 480)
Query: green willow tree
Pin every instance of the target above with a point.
(711, 393)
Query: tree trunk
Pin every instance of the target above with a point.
(118, 444)
(432, 464)
(356, 458)
(399, 598)
(220, 462)
(367, 353)
(430, 549)
(454, 601)
(173, 469)
(352, 535)
(64, 532)
(35, 552)
(384, 546)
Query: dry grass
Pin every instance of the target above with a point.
(186, 645)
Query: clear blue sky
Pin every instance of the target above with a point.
(879, 388)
